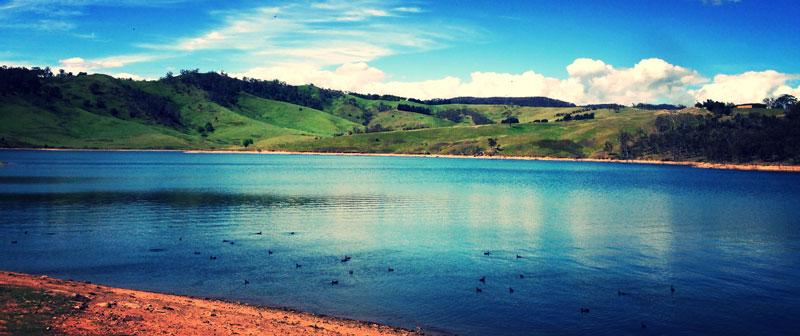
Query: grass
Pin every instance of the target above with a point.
(564, 139)
(306, 119)
(26, 311)
(77, 121)
(401, 120)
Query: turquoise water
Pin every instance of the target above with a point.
(728, 241)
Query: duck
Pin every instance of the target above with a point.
(482, 279)
(510, 290)
(269, 252)
(643, 326)
(672, 289)
(334, 282)
(584, 310)
(487, 253)
(478, 290)
(258, 233)
(350, 272)
(196, 253)
(212, 258)
(391, 269)
(292, 233)
(519, 256)
(521, 276)
(246, 282)
(345, 259)
(296, 265)
(621, 293)
(13, 242)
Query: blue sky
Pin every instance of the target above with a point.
(582, 51)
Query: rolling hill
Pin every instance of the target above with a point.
(213, 111)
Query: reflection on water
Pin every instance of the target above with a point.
(727, 241)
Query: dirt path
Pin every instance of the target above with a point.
(101, 310)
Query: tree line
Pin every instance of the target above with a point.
(518, 101)
(718, 137)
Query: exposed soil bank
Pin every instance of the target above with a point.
(102, 310)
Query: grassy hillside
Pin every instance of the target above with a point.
(213, 111)
(293, 116)
(567, 139)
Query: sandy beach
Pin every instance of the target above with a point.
(102, 310)
(694, 164)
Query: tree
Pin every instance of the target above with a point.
(247, 142)
(608, 147)
(510, 120)
(209, 127)
(785, 101)
(770, 102)
(492, 142)
(624, 145)
(94, 88)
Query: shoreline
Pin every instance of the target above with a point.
(692, 164)
(93, 309)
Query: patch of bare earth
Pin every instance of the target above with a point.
(102, 310)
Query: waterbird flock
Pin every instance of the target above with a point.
(346, 258)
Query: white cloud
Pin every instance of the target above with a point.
(407, 9)
(348, 77)
(324, 33)
(748, 87)
(334, 52)
(126, 75)
(719, 2)
(590, 81)
(78, 64)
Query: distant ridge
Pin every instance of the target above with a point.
(519, 101)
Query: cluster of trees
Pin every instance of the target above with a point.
(24, 81)
(784, 101)
(458, 115)
(643, 106)
(591, 107)
(742, 138)
(376, 96)
(575, 116)
(205, 130)
(519, 101)
(42, 86)
(510, 120)
(413, 108)
(225, 90)
(716, 107)
(145, 105)
(542, 121)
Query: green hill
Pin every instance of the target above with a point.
(213, 111)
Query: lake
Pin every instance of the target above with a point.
(728, 241)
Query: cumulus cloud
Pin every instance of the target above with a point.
(748, 87)
(78, 64)
(650, 80)
(589, 81)
(348, 77)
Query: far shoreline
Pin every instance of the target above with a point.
(692, 164)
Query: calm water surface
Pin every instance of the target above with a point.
(728, 241)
